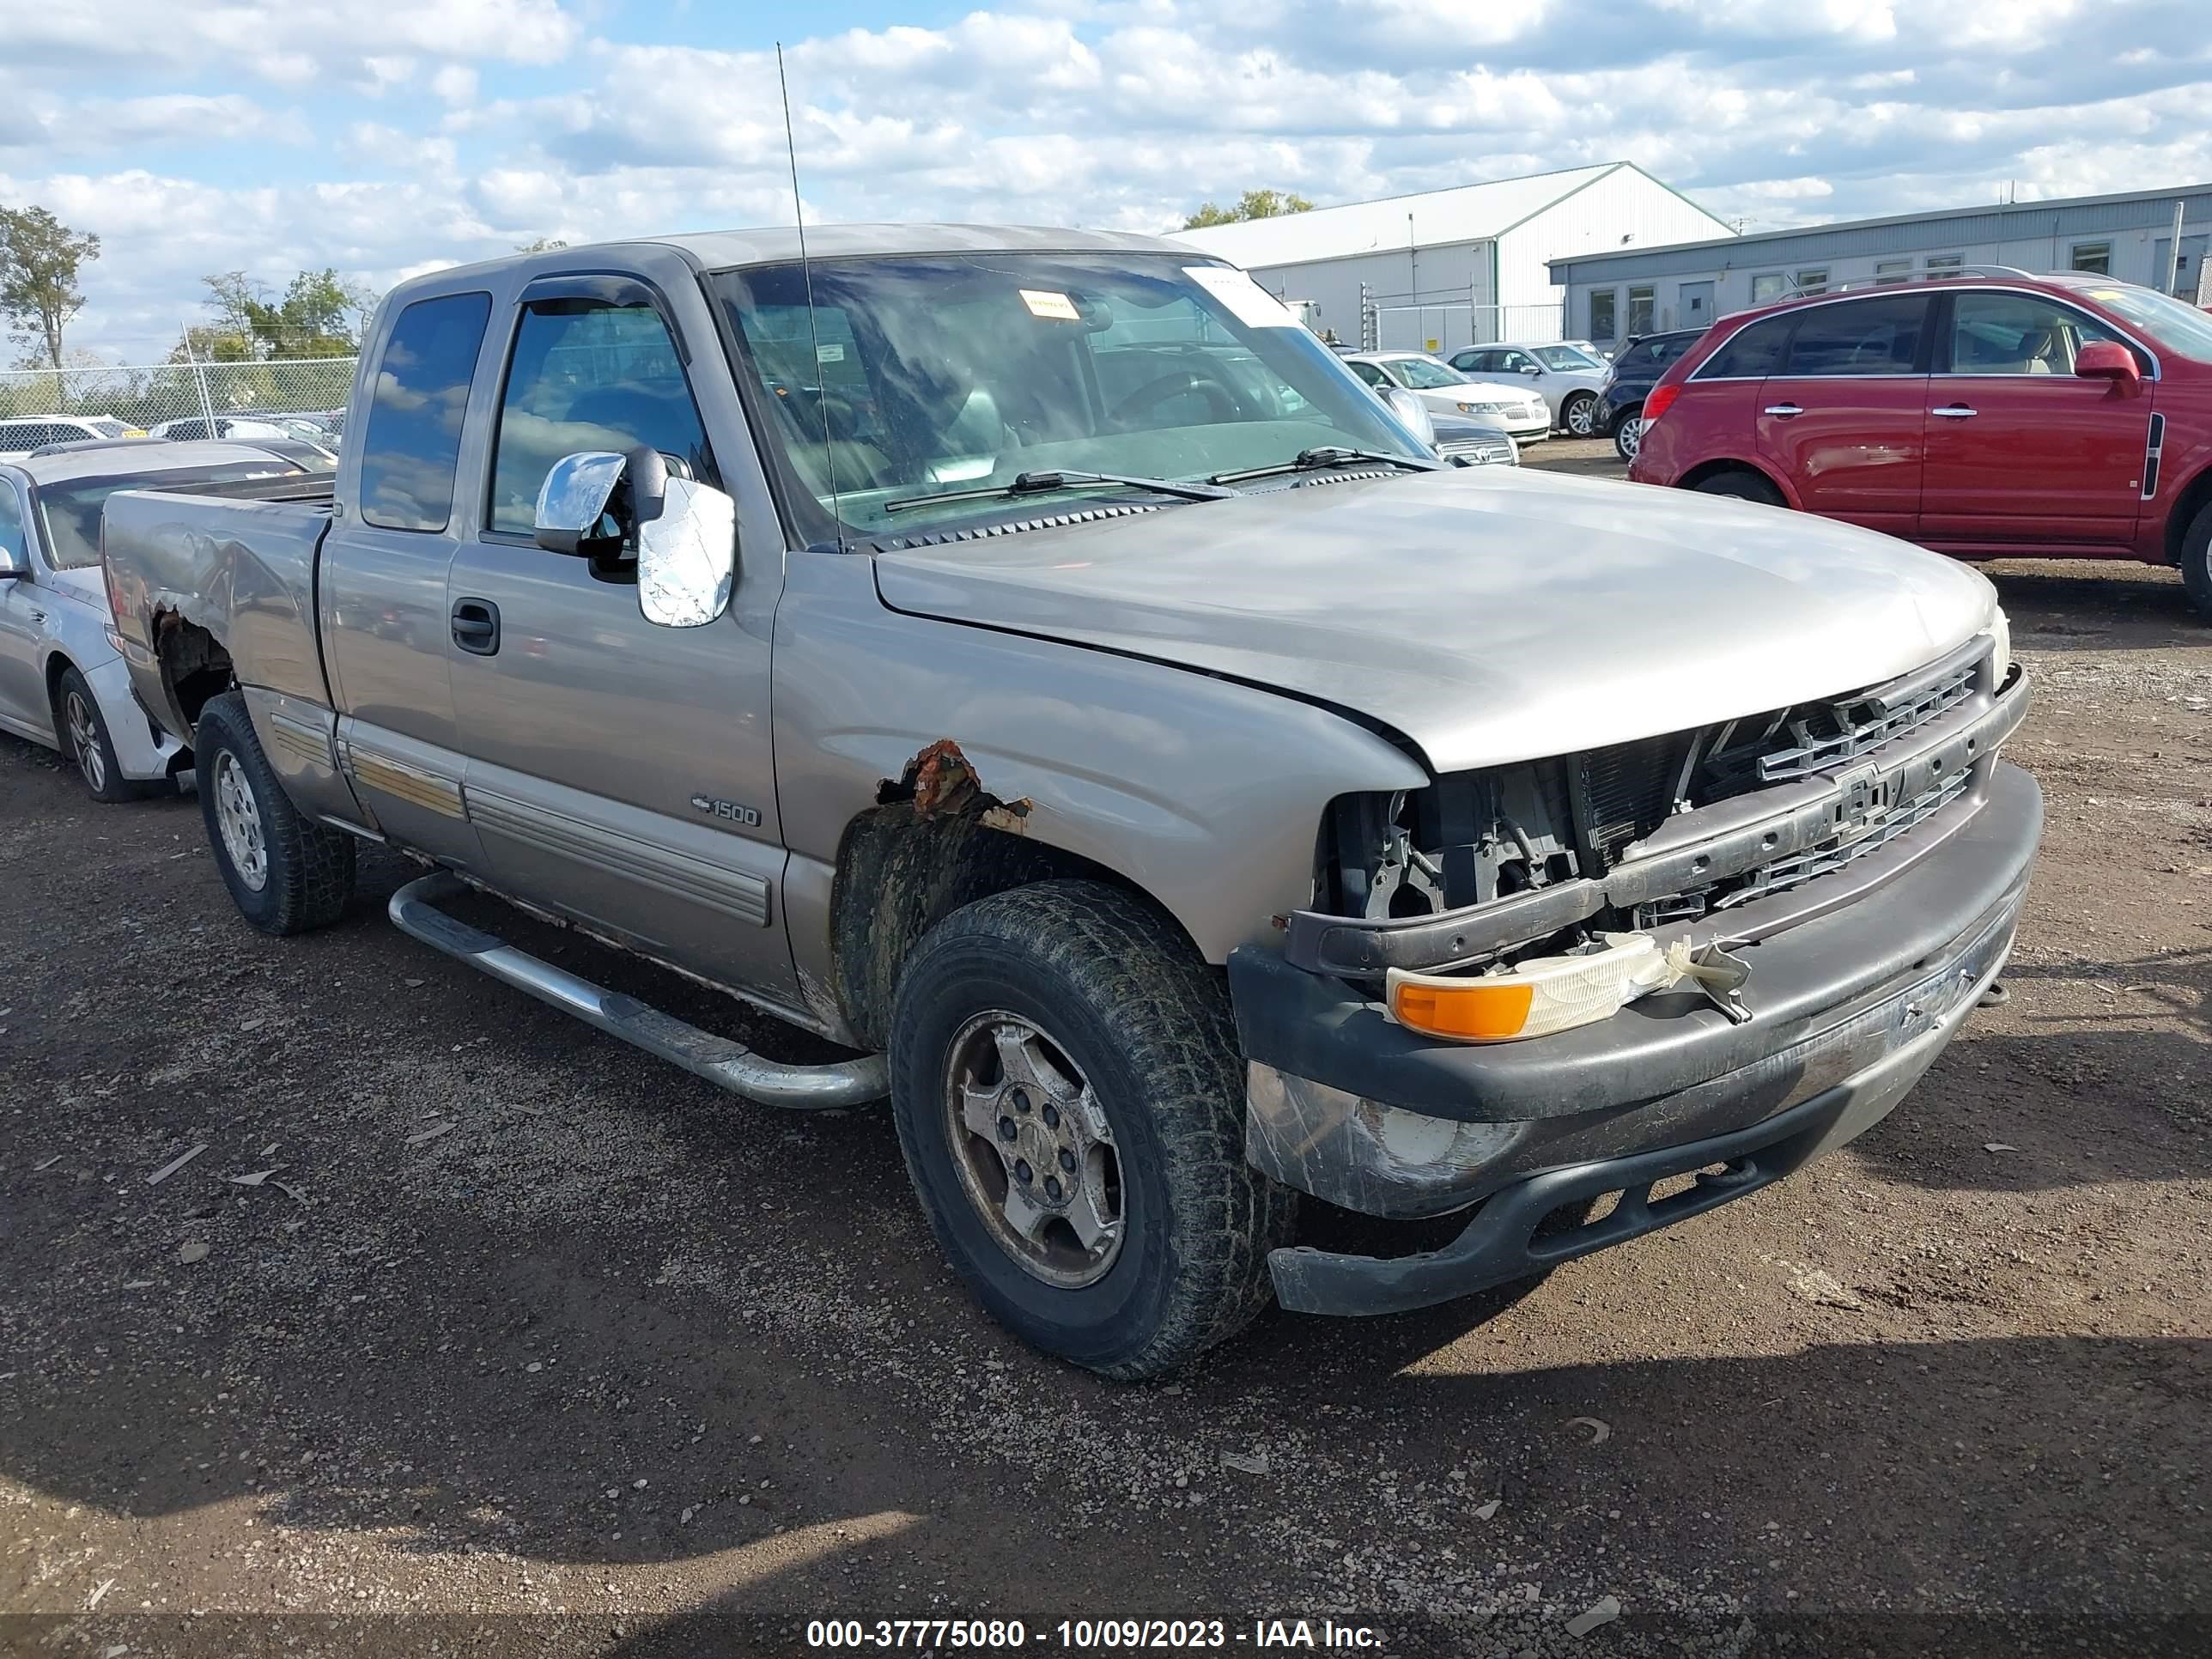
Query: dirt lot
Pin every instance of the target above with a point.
(614, 1364)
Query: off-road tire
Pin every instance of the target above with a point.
(2196, 561)
(311, 867)
(1147, 1022)
(112, 785)
(1744, 486)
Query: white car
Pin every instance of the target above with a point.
(237, 427)
(20, 437)
(62, 683)
(1521, 412)
(1569, 377)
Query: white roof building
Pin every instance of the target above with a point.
(1455, 266)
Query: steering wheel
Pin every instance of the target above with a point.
(1220, 402)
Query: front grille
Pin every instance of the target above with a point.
(1634, 788)
(1485, 451)
(1815, 737)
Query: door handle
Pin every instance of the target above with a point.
(476, 627)
(1783, 411)
(1955, 412)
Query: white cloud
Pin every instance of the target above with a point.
(442, 131)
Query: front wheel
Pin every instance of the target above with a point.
(1069, 1096)
(84, 732)
(1627, 434)
(2196, 561)
(286, 873)
(1580, 416)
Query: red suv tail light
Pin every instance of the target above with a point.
(1660, 400)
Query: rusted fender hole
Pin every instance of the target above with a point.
(941, 783)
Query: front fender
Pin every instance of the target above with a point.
(1206, 793)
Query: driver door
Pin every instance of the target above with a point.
(620, 773)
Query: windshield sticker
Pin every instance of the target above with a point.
(1247, 302)
(1043, 302)
(829, 353)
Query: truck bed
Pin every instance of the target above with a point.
(237, 559)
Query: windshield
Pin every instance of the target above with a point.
(934, 374)
(1423, 374)
(1565, 357)
(69, 514)
(2170, 322)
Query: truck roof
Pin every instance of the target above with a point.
(722, 250)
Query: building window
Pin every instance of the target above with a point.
(2095, 257)
(1640, 306)
(1889, 271)
(1813, 281)
(1767, 288)
(1600, 314)
(1944, 263)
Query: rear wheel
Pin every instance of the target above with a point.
(1744, 486)
(1580, 416)
(1068, 1094)
(286, 873)
(82, 730)
(1627, 434)
(2196, 560)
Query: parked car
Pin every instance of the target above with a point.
(62, 683)
(195, 428)
(1175, 815)
(1569, 379)
(21, 436)
(1472, 440)
(1989, 417)
(1636, 369)
(1514, 406)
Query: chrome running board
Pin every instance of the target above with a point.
(726, 1064)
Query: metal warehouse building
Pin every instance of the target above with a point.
(1614, 293)
(1449, 268)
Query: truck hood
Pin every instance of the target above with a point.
(1488, 614)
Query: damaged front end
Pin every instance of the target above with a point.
(1706, 946)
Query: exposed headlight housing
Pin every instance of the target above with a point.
(1539, 996)
(2000, 633)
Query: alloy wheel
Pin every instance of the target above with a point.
(1034, 1151)
(84, 740)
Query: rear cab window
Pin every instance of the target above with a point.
(411, 448)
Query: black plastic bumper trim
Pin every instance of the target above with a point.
(1850, 939)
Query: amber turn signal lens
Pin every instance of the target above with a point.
(1471, 1011)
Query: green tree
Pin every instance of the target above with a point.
(1252, 204)
(540, 245)
(320, 315)
(40, 259)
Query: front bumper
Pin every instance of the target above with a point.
(143, 753)
(1850, 1003)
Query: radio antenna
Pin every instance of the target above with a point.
(807, 274)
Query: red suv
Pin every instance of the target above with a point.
(1986, 416)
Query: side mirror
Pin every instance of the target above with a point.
(12, 562)
(1412, 413)
(2108, 359)
(686, 532)
(1533, 371)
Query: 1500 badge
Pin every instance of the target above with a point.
(727, 809)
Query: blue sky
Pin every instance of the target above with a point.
(384, 137)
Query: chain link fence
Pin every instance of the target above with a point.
(145, 396)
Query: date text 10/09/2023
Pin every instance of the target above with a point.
(1091, 1635)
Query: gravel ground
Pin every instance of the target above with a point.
(531, 1345)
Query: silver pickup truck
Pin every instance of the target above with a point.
(1028, 659)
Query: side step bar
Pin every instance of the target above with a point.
(728, 1065)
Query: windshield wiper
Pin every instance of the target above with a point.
(1313, 460)
(1038, 483)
